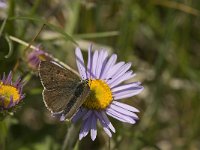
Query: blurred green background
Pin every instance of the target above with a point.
(162, 40)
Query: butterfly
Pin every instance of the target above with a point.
(64, 91)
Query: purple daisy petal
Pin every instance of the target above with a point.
(128, 92)
(93, 131)
(23, 95)
(122, 78)
(17, 83)
(124, 96)
(104, 62)
(100, 63)
(125, 106)
(120, 72)
(80, 63)
(85, 128)
(94, 64)
(113, 70)
(108, 65)
(9, 78)
(125, 86)
(81, 112)
(105, 126)
(117, 115)
(89, 65)
(88, 114)
(123, 111)
(107, 121)
(11, 102)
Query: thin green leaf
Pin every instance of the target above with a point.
(98, 35)
(2, 27)
(10, 47)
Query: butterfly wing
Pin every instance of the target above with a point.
(62, 109)
(80, 95)
(59, 84)
(53, 75)
(57, 99)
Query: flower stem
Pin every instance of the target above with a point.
(71, 137)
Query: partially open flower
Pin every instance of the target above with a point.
(10, 93)
(35, 56)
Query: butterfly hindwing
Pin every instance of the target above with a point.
(57, 99)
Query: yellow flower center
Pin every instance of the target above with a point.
(100, 96)
(6, 91)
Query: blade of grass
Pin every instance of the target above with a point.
(97, 35)
(10, 47)
(31, 42)
(178, 6)
(3, 26)
(10, 27)
(21, 41)
(57, 29)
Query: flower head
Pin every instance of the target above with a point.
(10, 93)
(105, 78)
(35, 56)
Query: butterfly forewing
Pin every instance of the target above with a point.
(54, 76)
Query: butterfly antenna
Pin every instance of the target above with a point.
(31, 42)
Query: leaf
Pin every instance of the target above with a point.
(10, 46)
(3, 26)
(98, 35)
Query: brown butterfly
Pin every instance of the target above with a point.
(64, 91)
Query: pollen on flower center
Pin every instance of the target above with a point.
(7, 91)
(100, 96)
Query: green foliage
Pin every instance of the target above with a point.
(160, 38)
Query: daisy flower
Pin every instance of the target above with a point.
(105, 78)
(10, 93)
